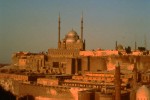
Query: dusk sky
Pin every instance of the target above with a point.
(32, 25)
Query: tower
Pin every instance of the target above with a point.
(117, 82)
(135, 75)
(135, 46)
(135, 80)
(116, 46)
(145, 43)
(59, 42)
(82, 27)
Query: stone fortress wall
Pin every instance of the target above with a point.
(70, 62)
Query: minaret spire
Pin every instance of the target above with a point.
(82, 27)
(145, 42)
(59, 28)
(116, 46)
(135, 46)
(59, 42)
(117, 82)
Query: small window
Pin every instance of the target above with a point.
(56, 64)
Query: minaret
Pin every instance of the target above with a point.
(135, 80)
(117, 82)
(135, 73)
(116, 46)
(59, 42)
(135, 46)
(145, 42)
(82, 27)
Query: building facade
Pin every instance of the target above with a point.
(71, 57)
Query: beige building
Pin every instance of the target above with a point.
(27, 60)
(70, 57)
(143, 93)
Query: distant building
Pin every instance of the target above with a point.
(71, 57)
(27, 60)
(143, 93)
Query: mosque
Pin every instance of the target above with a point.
(64, 59)
(72, 39)
(66, 56)
(71, 56)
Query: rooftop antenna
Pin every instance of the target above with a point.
(135, 43)
(116, 46)
(145, 42)
(135, 46)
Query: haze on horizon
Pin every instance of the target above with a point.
(32, 25)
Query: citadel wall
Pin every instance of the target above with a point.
(69, 61)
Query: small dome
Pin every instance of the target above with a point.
(143, 93)
(120, 47)
(79, 41)
(70, 40)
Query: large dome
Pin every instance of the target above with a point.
(143, 93)
(71, 37)
(72, 34)
(70, 40)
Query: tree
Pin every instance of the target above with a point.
(128, 50)
(141, 48)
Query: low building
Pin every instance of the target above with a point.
(47, 81)
(20, 77)
(98, 95)
(143, 93)
(97, 80)
(30, 61)
(53, 80)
